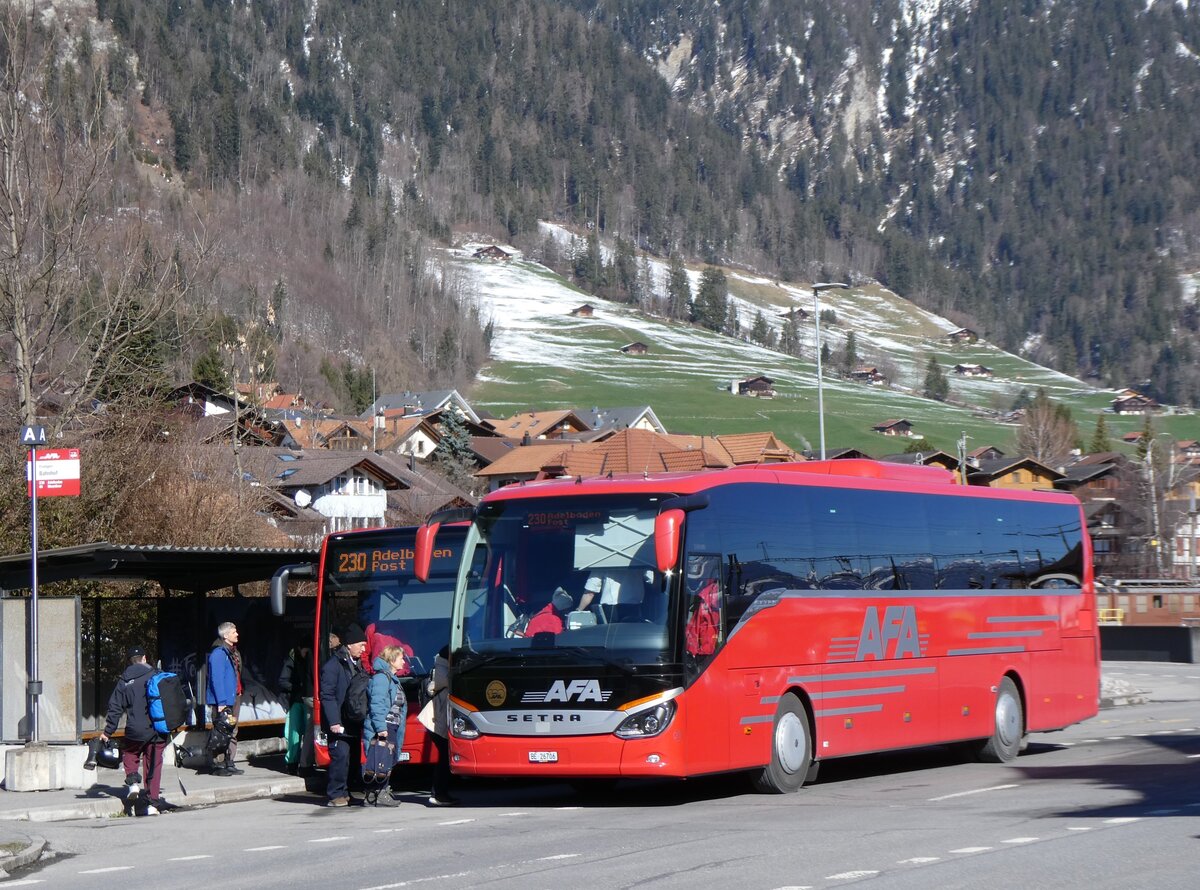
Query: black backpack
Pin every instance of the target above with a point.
(357, 706)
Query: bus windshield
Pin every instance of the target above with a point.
(369, 581)
(565, 574)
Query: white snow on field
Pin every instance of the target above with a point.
(531, 307)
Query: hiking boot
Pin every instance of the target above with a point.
(385, 799)
(338, 802)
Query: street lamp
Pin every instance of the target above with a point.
(817, 288)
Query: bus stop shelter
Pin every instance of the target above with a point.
(82, 640)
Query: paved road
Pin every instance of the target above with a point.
(1113, 803)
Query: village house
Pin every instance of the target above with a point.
(533, 425)
(972, 371)
(1132, 438)
(492, 253)
(587, 310)
(610, 420)
(899, 427)
(257, 393)
(397, 434)
(635, 348)
(963, 336)
(1095, 476)
(422, 403)
(931, 458)
(760, 386)
(868, 374)
(985, 452)
(1135, 404)
(1022, 473)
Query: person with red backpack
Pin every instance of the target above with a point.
(703, 629)
(142, 748)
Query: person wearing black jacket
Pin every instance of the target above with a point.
(344, 737)
(296, 682)
(142, 747)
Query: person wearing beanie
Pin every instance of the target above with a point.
(345, 737)
(142, 750)
(552, 619)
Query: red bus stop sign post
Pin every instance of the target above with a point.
(58, 475)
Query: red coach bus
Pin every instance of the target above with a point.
(367, 578)
(764, 618)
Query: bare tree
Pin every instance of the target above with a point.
(1047, 432)
(84, 284)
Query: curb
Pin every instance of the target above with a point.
(97, 808)
(28, 856)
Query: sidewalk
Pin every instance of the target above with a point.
(19, 844)
(263, 777)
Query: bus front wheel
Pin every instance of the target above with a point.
(1009, 735)
(791, 749)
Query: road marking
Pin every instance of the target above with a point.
(387, 830)
(25, 883)
(920, 860)
(263, 849)
(559, 856)
(513, 814)
(457, 822)
(971, 850)
(459, 874)
(190, 858)
(1114, 738)
(568, 808)
(795, 887)
(101, 871)
(1193, 756)
(1020, 840)
(1122, 820)
(329, 840)
(1079, 828)
(973, 791)
(852, 875)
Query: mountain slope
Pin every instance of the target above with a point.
(543, 357)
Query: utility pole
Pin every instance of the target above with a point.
(817, 288)
(962, 458)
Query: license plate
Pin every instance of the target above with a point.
(403, 756)
(543, 757)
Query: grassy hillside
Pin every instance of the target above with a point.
(545, 358)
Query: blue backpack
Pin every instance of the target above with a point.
(166, 702)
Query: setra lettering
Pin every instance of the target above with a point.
(898, 627)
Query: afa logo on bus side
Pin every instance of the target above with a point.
(896, 631)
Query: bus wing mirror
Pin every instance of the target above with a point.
(279, 583)
(426, 535)
(668, 526)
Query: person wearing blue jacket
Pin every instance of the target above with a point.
(223, 686)
(389, 710)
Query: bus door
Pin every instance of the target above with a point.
(703, 598)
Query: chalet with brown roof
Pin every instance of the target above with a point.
(931, 458)
(985, 452)
(493, 253)
(738, 449)
(1135, 404)
(635, 348)
(972, 371)
(963, 335)
(1023, 473)
(282, 401)
(1189, 448)
(760, 387)
(900, 427)
(540, 425)
(795, 313)
(627, 451)
(1095, 476)
(868, 374)
(587, 310)
(397, 434)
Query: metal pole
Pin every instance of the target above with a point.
(33, 685)
(817, 288)
(820, 381)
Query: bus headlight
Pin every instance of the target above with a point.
(462, 727)
(648, 723)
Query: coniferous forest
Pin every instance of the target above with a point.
(1028, 169)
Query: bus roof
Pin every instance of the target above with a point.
(852, 473)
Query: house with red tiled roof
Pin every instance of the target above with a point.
(397, 434)
(539, 425)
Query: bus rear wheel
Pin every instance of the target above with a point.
(791, 749)
(1008, 738)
